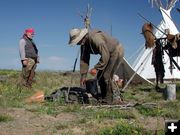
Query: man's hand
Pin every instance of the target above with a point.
(82, 82)
(25, 62)
(38, 59)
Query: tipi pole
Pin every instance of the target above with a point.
(170, 18)
(74, 68)
(171, 58)
(151, 23)
(137, 70)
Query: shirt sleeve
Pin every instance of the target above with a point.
(84, 60)
(103, 50)
(22, 44)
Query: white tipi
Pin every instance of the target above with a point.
(143, 65)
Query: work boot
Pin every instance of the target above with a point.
(30, 80)
(22, 82)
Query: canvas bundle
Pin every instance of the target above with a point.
(76, 94)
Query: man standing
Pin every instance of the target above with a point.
(29, 57)
(111, 52)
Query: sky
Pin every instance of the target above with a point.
(53, 19)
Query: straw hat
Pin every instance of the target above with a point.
(76, 35)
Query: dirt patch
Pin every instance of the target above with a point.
(152, 123)
(30, 123)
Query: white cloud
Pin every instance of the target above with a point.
(55, 59)
(54, 63)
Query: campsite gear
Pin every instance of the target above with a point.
(92, 87)
(147, 69)
(137, 70)
(75, 95)
(38, 97)
(74, 67)
(173, 40)
(152, 24)
(173, 61)
(86, 17)
(170, 92)
(90, 94)
(76, 35)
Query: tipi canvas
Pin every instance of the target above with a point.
(143, 65)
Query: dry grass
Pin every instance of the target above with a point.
(54, 118)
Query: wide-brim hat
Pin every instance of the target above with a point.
(76, 35)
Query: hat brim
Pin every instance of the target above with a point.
(77, 39)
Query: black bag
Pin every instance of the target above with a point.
(92, 87)
(77, 94)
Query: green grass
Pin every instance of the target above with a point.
(124, 128)
(148, 111)
(5, 118)
(11, 73)
(114, 114)
(98, 121)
